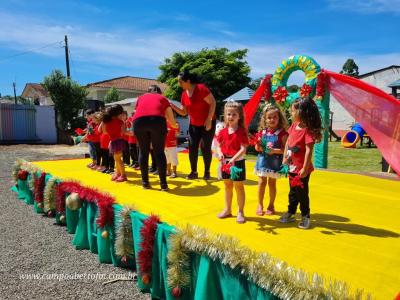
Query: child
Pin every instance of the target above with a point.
(125, 155)
(232, 142)
(304, 132)
(133, 149)
(171, 152)
(272, 138)
(114, 126)
(88, 137)
(107, 160)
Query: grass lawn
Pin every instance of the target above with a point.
(360, 159)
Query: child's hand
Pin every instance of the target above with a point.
(258, 148)
(303, 173)
(221, 157)
(231, 161)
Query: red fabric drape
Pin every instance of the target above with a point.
(251, 107)
(377, 112)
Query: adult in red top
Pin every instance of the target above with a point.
(230, 144)
(199, 103)
(150, 128)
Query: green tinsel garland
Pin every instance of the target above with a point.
(49, 195)
(124, 239)
(267, 272)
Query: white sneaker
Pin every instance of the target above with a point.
(305, 222)
(287, 218)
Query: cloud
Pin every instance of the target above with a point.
(366, 6)
(133, 50)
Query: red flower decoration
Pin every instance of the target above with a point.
(295, 181)
(305, 90)
(22, 175)
(280, 94)
(226, 168)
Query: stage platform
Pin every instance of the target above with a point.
(355, 234)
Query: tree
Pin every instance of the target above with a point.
(68, 97)
(350, 68)
(20, 99)
(255, 83)
(112, 95)
(223, 71)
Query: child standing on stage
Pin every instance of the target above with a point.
(231, 147)
(115, 127)
(107, 159)
(271, 142)
(304, 132)
(171, 151)
(133, 149)
(88, 137)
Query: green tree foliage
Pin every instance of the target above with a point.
(223, 71)
(20, 100)
(111, 96)
(68, 97)
(350, 68)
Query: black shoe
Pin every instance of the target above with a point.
(207, 175)
(146, 186)
(135, 165)
(192, 175)
(164, 187)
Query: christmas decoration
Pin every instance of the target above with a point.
(321, 83)
(295, 181)
(39, 184)
(176, 292)
(15, 169)
(22, 175)
(231, 170)
(145, 255)
(267, 91)
(305, 90)
(146, 279)
(49, 194)
(124, 239)
(50, 214)
(284, 170)
(104, 234)
(280, 94)
(62, 219)
(73, 202)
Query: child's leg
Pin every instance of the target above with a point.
(174, 159)
(174, 169)
(98, 153)
(111, 161)
(119, 163)
(168, 169)
(239, 187)
(262, 182)
(227, 212)
(293, 198)
(272, 194)
(304, 198)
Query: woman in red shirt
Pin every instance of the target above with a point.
(150, 128)
(199, 103)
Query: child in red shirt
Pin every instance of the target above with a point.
(171, 152)
(232, 142)
(303, 134)
(115, 128)
(133, 149)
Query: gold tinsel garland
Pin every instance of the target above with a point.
(267, 272)
(124, 239)
(49, 195)
(16, 168)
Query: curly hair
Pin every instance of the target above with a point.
(239, 108)
(309, 115)
(263, 121)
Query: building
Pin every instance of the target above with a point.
(127, 86)
(382, 79)
(37, 94)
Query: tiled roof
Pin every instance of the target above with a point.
(243, 95)
(129, 83)
(39, 89)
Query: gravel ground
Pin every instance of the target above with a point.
(31, 244)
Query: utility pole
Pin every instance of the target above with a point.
(15, 93)
(67, 57)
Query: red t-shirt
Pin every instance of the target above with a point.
(230, 143)
(151, 105)
(128, 125)
(114, 129)
(170, 139)
(297, 141)
(96, 134)
(90, 131)
(196, 106)
(104, 140)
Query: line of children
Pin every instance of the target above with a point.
(276, 148)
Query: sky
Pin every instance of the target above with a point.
(109, 39)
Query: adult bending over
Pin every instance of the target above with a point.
(199, 103)
(150, 128)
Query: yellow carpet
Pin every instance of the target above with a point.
(355, 235)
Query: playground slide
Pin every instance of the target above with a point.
(351, 138)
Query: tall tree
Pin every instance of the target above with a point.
(68, 97)
(350, 68)
(223, 71)
(111, 96)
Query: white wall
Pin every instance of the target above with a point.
(46, 124)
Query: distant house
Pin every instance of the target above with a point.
(127, 86)
(37, 94)
(383, 79)
(242, 95)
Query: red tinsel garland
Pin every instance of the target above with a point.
(305, 90)
(145, 255)
(321, 82)
(22, 175)
(38, 190)
(280, 94)
(104, 202)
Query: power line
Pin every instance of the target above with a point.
(30, 51)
